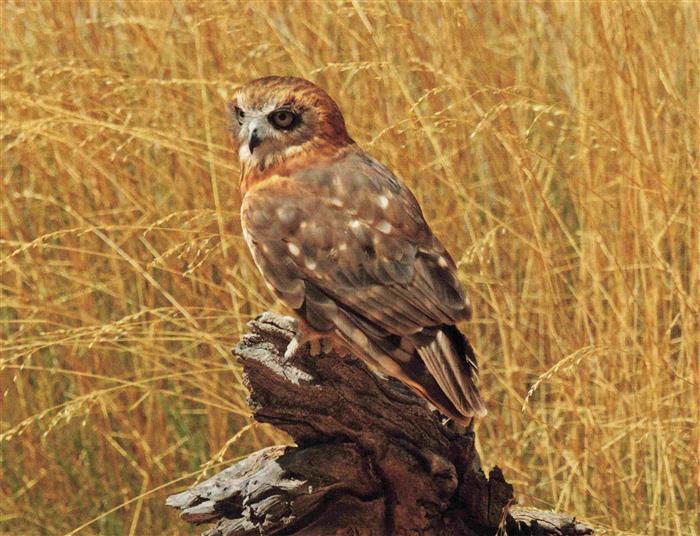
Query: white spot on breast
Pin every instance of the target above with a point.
(384, 227)
(342, 246)
(336, 202)
(293, 249)
(310, 264)
(355, 224)
(268, 107)
(442, 262)
(382, 201)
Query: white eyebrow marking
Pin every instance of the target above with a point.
(382, 201)
(293, 249)
(241, 101)
(269, 106)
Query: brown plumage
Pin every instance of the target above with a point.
(344, 243)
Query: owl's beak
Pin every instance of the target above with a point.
(254, 140)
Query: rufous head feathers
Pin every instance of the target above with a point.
(275, 121)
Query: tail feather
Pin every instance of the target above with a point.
(437, 362)
(451, 362)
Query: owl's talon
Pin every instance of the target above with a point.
(294, 347)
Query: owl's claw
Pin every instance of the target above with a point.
(294, 347)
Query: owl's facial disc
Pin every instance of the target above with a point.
(276, 120)
(270, 131)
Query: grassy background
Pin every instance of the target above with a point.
(553, 147)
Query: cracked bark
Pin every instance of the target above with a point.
(370, 458)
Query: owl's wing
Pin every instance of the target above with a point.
(347, 246)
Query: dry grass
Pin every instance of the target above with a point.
(553, 146)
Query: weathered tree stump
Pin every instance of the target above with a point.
(370, 458)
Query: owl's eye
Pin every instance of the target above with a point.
(240, 114)
(283, 119)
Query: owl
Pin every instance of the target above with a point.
(343, 242)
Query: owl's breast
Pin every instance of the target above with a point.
(270, 221)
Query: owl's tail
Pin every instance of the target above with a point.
(438, 362)
(450, 363)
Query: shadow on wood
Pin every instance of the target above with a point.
(370, 458)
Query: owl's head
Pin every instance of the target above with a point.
(275, 118)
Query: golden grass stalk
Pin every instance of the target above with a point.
(553, 146)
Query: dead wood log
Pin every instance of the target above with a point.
(370, 458)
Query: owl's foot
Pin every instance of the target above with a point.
(318, 344)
